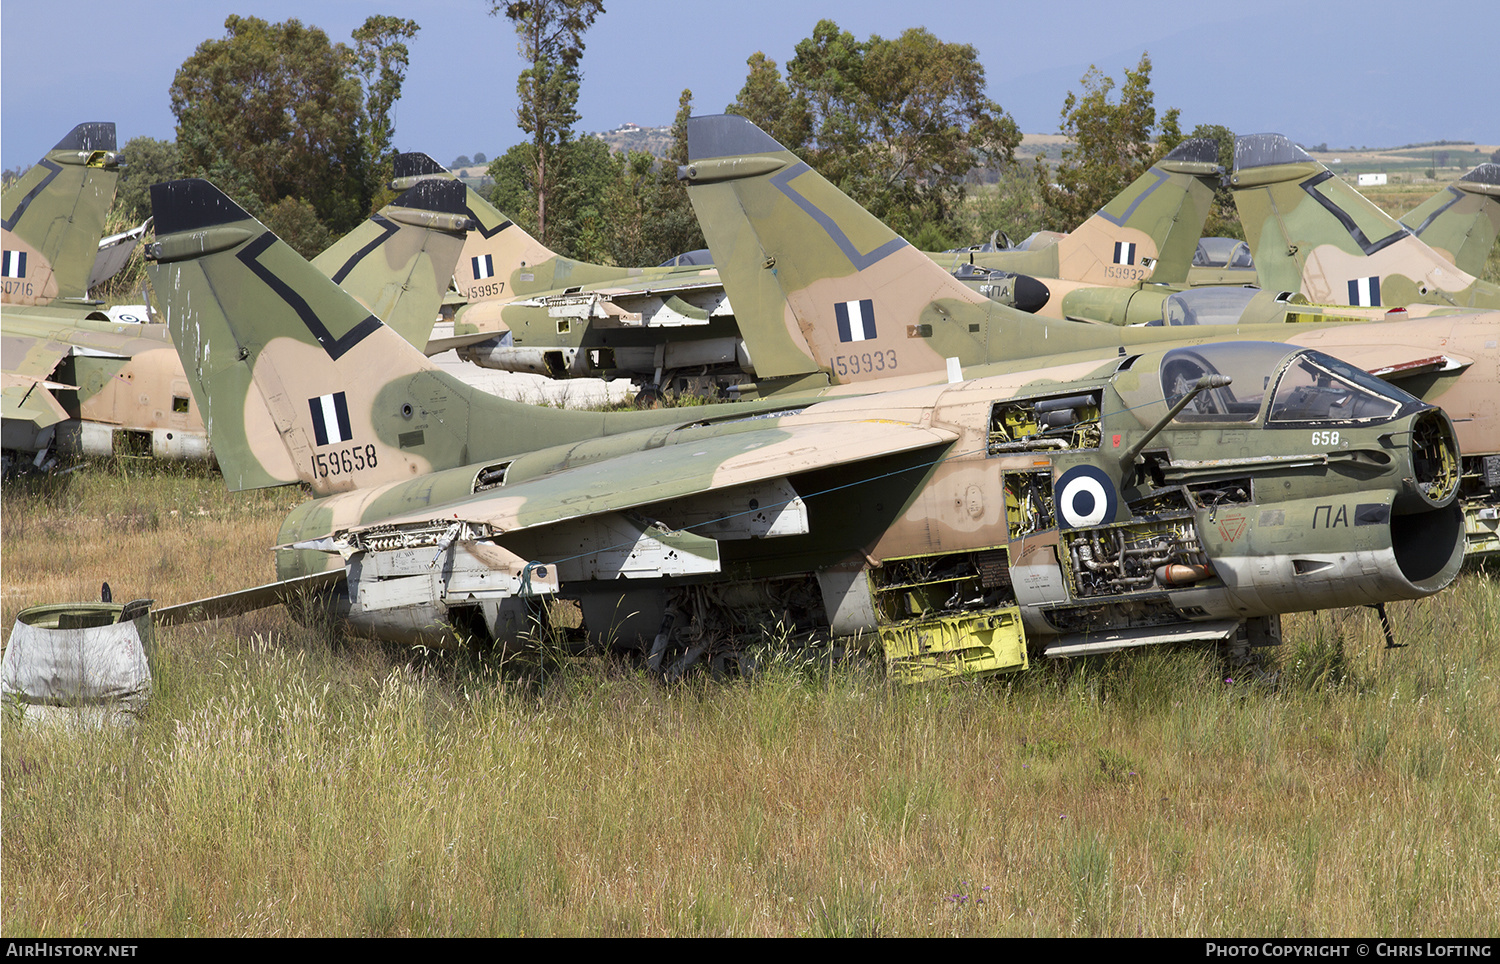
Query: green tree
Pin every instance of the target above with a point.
(461, 160)
(583, 173)
(897, 123)
(770, 104)
(381, 58)
(550, 39)
(274, 111)
(514, 194)
(1111, 144)
(148, 161)
(674, 225)
(295, 221)
(1013, 205)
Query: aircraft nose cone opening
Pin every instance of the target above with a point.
(1031, 294)
(1434, 459)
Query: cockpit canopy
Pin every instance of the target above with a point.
(1211, 305)
(1222, 253)
(1305, 387)
(699, 257)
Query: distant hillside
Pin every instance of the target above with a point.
(632, 137)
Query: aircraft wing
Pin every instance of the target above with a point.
(659, 302)
(680, 471)
(247, 600)
(31, 355)
(114, 254)
(28, 399)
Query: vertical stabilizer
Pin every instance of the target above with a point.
(298, 382)
(1462, 221)
(54, 217)
(820, 285)
(398, 262)
(500, 261)
(1311, 232)
(1150, 230)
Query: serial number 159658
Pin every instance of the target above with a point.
(344, 461)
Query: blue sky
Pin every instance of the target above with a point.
(1317, 71)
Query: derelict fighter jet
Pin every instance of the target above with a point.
(1184, 494)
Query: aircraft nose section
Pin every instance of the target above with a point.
(1434, 478)
(1031, 294)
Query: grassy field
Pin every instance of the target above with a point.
(288, 781)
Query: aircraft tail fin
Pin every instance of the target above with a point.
(1311, 232)
(500, 261)
(1149, 231)
(1462, 221)
(398, 263)
(298, 382)
(54, 217)
(818, 283)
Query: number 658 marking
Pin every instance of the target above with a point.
(1329, 437)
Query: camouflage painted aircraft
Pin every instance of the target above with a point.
(1311, 232)
(837, 297)
(86, 384)
(1191, 494)
(532, 310)
(54, 218)
(665, 327)
(1120, 263)
(1461, 221)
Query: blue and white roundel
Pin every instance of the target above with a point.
(1086, 497)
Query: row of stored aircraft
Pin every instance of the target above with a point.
(969, 483)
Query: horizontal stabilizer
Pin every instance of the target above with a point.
(248, 600)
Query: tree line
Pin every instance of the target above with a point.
(298, 129)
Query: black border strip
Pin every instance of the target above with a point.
(1365, 244)
(335, 347)
(387, 228)
(9, 224)
(1458, 195)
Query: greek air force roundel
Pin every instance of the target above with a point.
(1086, 497)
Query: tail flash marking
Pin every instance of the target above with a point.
(484, 266)
(1365, 292)
(335, 347)
(13, 264)
(1124, 252)
(387, 228)
(1366, 245)
(856, 319)
(782, 183)
(330, 418)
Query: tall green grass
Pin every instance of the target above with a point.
(290, 781)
